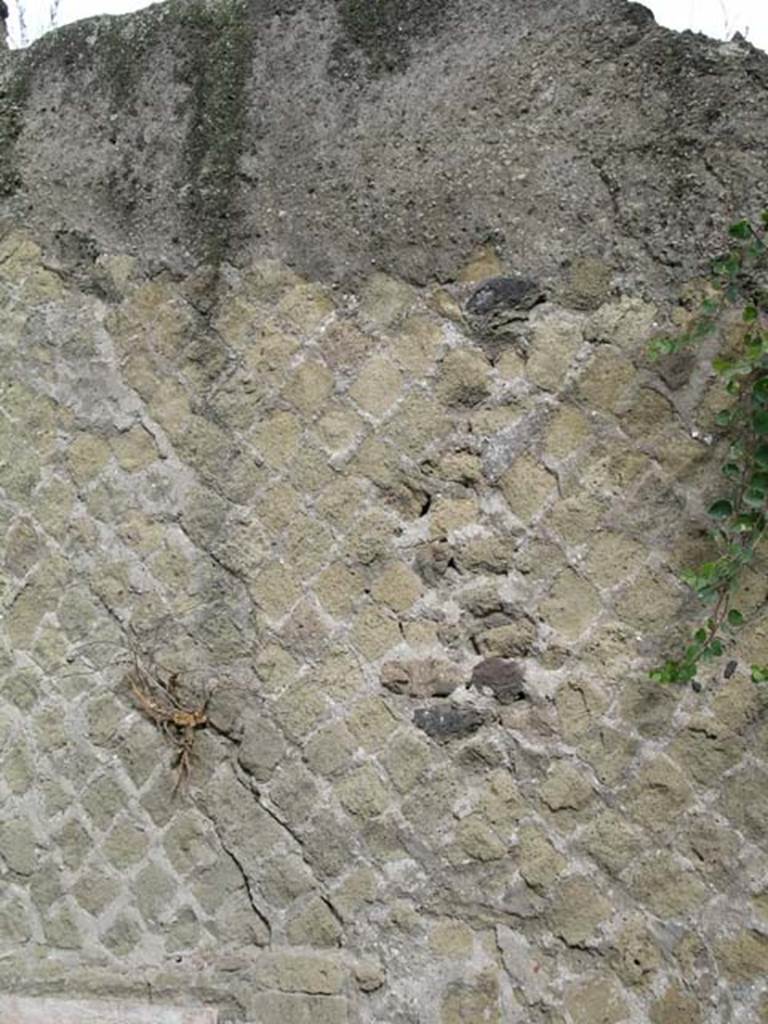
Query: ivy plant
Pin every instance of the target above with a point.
(737, 289)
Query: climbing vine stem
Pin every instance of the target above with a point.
(739, 282)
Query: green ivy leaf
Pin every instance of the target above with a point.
(715, 648)
(702, 329)
(741, 229)
(663, 347)
(740, 520)
(720, 509)
(746, 522)
(721, 365)
(753, 346)
(732, 264)
(674, 672)
(708, 571)
(695, 578)
(735, 551)
(754, 497)
(670, 672)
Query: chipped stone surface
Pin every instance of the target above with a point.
(422, 678)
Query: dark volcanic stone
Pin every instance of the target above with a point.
(450, 723)
(503, 677)
(499, 293)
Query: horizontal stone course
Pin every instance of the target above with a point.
(40, 1010)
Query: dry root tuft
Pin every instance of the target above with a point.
(156, 693)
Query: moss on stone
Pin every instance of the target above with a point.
(211, 44)
(213, 49)
(13, 98)
(381, 30)
(122, 53)
(113, 50)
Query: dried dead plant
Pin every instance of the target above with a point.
(156, 692)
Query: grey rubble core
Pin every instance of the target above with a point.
(323, 377)
(343, 136)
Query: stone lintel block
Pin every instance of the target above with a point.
(44, 1010)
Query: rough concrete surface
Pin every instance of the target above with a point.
(344, 136)
(340, 516)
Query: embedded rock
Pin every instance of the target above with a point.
(428, 678)
(504, 678)
(448, 723)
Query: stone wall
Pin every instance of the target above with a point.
(398, 530)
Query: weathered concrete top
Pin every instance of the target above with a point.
(342, 137)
